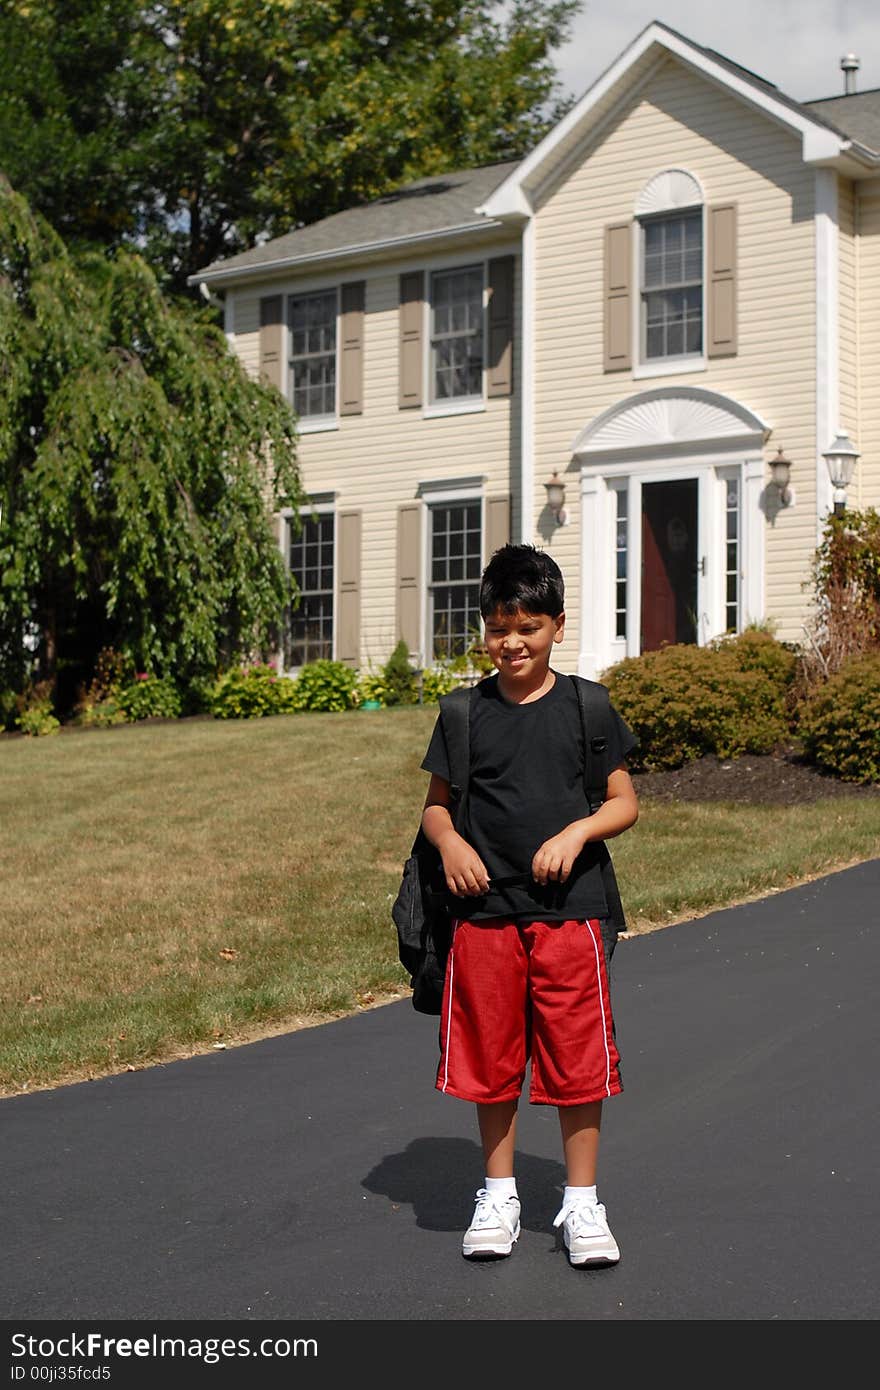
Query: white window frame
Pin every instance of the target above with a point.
(681, 362)
(312, 424)
(319, 505)
(461, 405)
(445, 497)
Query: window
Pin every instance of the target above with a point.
(457, 334)
(731, 564)
(672, 286)
(310, 623)
(620, 571)
(312, 320)
(454, 590)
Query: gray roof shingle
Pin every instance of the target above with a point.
(856, 115)
(428, 206)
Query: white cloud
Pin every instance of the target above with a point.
(797, 44)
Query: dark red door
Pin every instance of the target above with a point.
(669, 563)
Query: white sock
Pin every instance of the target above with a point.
(502, 1187)
(586, 1194)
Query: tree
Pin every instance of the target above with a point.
(194, 127)
(138, 465)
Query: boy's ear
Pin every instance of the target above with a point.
(560, 628)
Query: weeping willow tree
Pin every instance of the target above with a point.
(139, 466)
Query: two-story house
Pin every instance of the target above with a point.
(679, 286)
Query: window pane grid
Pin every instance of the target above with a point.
(313, 353)
(310, 623)
(456, 550)
(672, 286)
(731, 574)
(457, 333)
(621, 560)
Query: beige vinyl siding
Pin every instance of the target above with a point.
(867, 491)
(679, 120)
(377, 460)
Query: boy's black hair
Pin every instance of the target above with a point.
(522, 577)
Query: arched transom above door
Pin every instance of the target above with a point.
(670, 417)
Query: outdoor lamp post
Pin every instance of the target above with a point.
(556, 499)
(841, 460)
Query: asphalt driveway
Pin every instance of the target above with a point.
(319, 1175)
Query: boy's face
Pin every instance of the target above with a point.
(520, 644)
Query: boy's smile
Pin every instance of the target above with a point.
(519, 645)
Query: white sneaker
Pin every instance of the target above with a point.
(494, 1228)
(585, 1232)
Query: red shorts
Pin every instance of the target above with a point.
(520, 991)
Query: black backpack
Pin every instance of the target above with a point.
(422, 911)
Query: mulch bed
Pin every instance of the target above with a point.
(781, 778)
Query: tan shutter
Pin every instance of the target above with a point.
(721, 289)
(409, 574)
(272, 339)
(499, 365)
(497, 525)
(618, 297)
(351, 384)
(411, 298)
(348, 588)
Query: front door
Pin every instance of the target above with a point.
(669, 563)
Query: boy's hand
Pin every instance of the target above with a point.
(466, 874)
(553, 861)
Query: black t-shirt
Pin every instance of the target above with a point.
(526, 784)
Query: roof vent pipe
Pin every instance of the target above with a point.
(850, 65)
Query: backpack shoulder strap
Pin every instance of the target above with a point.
(455, 709)
(595, 709)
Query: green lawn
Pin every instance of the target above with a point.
(169, 887)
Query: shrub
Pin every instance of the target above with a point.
(35, 710)
(252, 692)
(399, 678)
(371, 686)
(97, 704)
(684, 702)
(326, 685)
(149, 697)
(436, 681)
(8, 709)
(839, 723)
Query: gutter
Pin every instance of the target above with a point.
(360, 249)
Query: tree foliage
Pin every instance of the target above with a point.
(138, 463)
(196, 126)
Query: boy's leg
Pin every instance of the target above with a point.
(585, 1230)
(580, 1126)
(495, 1225)
(498, 1135)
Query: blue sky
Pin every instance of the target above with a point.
(795, 43)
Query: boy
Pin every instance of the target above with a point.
(526, 972)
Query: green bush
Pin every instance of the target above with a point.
(35, 715)
(326, 685)
(684, 702)
(100, 714)
(437, 681)
(252, 692)
(8, 709)
(149, 697)
(399, 678)
(839, 724)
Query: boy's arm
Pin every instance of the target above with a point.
(620, 809)
(465, 871)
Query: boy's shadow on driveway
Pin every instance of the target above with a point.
(438, 1178)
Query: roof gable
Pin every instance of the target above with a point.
(821, 141)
